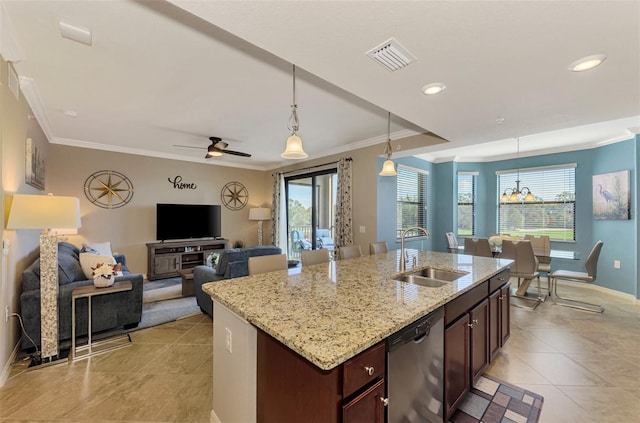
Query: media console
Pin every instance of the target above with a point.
(164, 259)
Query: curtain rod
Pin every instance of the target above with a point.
(313, 167)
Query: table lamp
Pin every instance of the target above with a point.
(46, 212)
(260, 214)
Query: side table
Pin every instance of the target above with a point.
(89, 292)
(187, 282)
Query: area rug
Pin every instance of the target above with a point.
(492, 400)
(160, 290)
(162, 302)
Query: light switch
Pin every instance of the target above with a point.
(362, 229)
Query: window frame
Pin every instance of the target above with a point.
(422, 183)
(472, 203)
(535, 176)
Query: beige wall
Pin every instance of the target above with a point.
(15, 127)
(128, 228)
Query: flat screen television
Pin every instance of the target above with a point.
(184, 221)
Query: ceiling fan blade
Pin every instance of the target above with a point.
(236, 153)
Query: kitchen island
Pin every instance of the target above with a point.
(327, 314)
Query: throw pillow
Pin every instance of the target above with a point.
(101, 248)
(88, 261)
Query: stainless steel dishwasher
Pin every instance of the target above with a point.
(415, 371)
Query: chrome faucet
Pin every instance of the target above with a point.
(403, 261)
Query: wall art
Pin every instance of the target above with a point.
(611, 196)
(108, 189)
(34, 164)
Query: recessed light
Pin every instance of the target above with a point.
(433, 88)
(70, 113)
(587, 63)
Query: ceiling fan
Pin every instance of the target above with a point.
(217, 148)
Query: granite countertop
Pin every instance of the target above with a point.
(328, 313)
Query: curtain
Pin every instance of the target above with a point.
(344, 230)
(278, 213)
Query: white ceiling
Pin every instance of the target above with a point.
(160, 74)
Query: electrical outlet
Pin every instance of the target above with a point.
(7, 312)
(616, 264)
(227, 340)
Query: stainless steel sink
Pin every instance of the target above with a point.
(443, 275)
(422, 281)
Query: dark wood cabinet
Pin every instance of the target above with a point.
(479, 333)
(164, 259)
(476, 327)
(456, 363)
(291, 389)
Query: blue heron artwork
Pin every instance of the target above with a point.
(611, 196)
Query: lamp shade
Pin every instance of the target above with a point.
(294, 148)
(388, 168)
(259, 213)
(44, 212)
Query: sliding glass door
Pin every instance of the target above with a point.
(311, 199)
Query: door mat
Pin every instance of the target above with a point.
(492, 400)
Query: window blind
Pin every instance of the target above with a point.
(553, 210)
(411, 200)
(466, 204)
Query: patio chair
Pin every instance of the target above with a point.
(298, 241)
(324, 240)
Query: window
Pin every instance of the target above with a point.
(466, 203)
(411, 200)
(553, 210)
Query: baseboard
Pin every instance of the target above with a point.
(623, 295)
(6, 369)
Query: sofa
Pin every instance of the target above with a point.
(231, 263)
(108, 311)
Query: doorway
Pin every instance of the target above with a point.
(311, 199)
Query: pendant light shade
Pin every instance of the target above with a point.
(293, 149)
(388, 167)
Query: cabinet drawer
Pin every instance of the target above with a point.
(362, 369)
(498, 280)
(456, 307)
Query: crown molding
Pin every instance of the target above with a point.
(10, 48)
(32, 95)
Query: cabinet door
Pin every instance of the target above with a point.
(456, 363)
(166, 263)
(367, 407)
(505, 318)
(479, 338)
(495, 325)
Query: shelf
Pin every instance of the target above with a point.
(165, 259)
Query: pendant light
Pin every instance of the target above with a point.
(388, 167)
(513, 195)
(294, 148)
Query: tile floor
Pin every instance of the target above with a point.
(586, 365)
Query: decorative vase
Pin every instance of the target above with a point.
(103, 281)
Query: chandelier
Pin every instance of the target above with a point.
(517, 194)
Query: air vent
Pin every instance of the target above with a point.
(14, 84)
(391, 55)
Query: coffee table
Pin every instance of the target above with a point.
(187, 282)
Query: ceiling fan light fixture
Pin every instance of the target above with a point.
(587, 63)
(294, 148)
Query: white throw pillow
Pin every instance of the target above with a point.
(90, 260)
(102, 248)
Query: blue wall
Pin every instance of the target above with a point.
(621, 238)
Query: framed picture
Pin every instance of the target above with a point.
(34, 165)
(611, 196)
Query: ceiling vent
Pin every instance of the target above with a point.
(391, 55)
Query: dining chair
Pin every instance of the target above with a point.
(477, 247)
(542, 249)
(591, 267)
(378, 247)
(524, 268)
(452, 242)
(315, 257)
(349, 251)
(265, 264)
